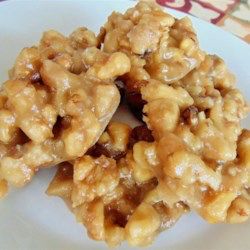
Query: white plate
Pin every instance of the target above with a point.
(31, 220)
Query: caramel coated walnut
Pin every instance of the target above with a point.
(196, 122)
(111, 206)
(215, 189)
(159, 45)
(113, 199)
(218, 194)
(198, 157)
(114, 142)
(57, 102)
(212, 113)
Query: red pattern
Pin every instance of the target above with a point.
(222, 13)
(188, 5)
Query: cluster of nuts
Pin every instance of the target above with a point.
(192, 107)
(56, 104)
(118, 199)
(149, 187)
(123, 183)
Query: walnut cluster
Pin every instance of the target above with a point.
(56, 104)
(193, 108)
(118, 199)
(127, 183)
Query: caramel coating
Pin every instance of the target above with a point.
(193, 153)
(123, 183)
(152, 185)
(56, 104)
(158, 45)
(117, 200)
(193, 108)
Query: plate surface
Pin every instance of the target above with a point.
(31, 220)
